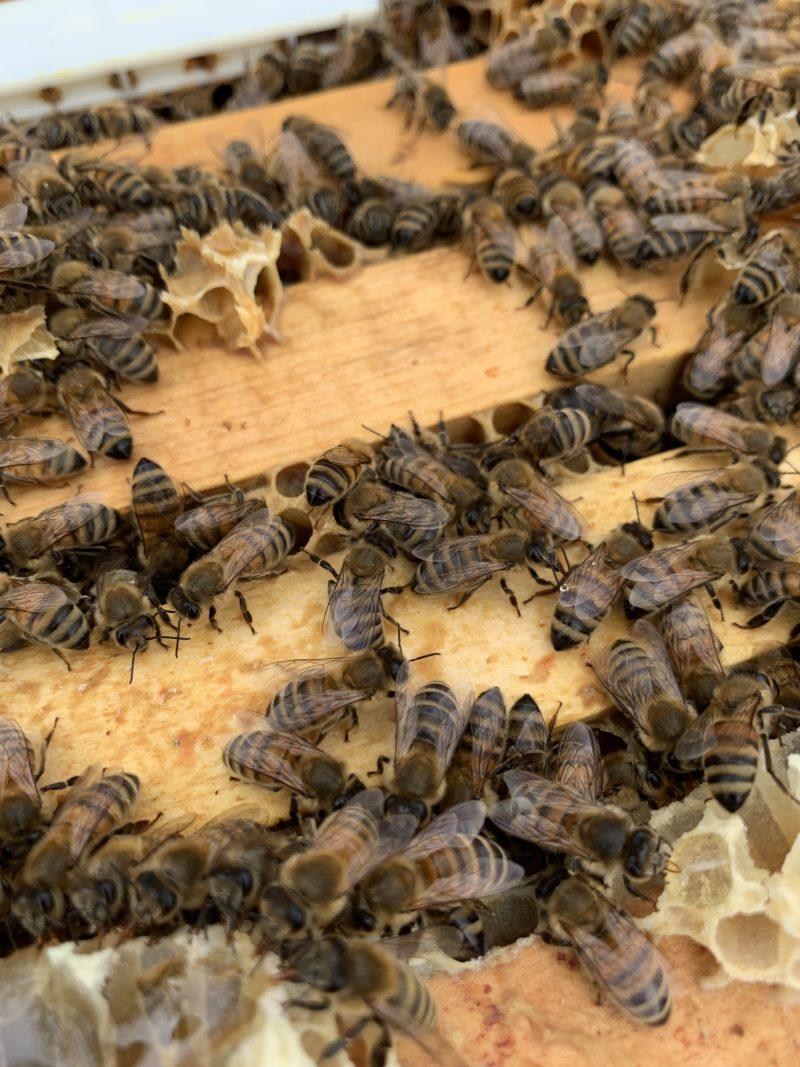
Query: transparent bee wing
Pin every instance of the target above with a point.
(687, 222)
(594, 581)
(406, 725)
(548, 510)
(688, 637)
(699, 419)
(416, 512)
(577, 761)
(544, 812)
(65, 520)
(16, 772)
(464, 820)
(354, 609)
(272, 762)
(245, 543)
(23, 252)
(780, 351)
(533, 740)
(660, 668)
(482, 875)
(12, 216)
(485, 727)
(25, 451)
(779, 525)
(697, 739)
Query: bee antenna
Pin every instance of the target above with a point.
(636, 507)
(133, 664)
(427, 655)
(369, 429)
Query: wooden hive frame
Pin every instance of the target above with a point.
(407, 334)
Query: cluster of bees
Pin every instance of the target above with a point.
(437, 843)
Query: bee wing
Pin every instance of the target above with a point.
(88, 414)
(696, 739)
(346, 457)
(246, 541)
(12, 216)
(668, 482)
(630, 691)
(646, 635)
(24, 252)
(548, 509)
(25, 451)
(700, 509)
(611, 403)
(593, 581)
(272, 762)
(15, 762)
(353, 607)
(577, 761)
(406, 719)
(711, 423)
(66, 519)
(688, 637)
(623, 962)
(465, 568)
(486, 726)
(108, 284)
(84, 819)
(779, 525)
(413, 511)
(661, 563)
(297, 670)
(361, 837)
(559, 235)
(780, 350)
(528, 813)
(109, 326)
(533, 739)
(687, 222)
(404, 449)
(33, 599)
(482, 875)
(464, 820)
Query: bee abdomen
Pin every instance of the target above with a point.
(327, 482)
(569, 628)
(756, 285)
(66, 627)
(131, 358)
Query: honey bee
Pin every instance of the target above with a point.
(666, 574)
(771, 268)
(408, 465)
(53, 132)
(638, 676)
(673, 60)
(726, 738)
(523, 709)
(430, 723)
(20, 802)
(249, 167)
(755, 402)
(551, 264)
(107, 291)
(173, 878)
(242, 871)
(487, 142)
(317, 689)
(775, 532)
(280, 759)
(355, 610)
(96, 805)
(676, 195)
(780, 191)
(640, 23)
(563, 198)
(715, 499)
(709, 366)
(360, 973)
(115, 121)
(24, 391)
(598, 340)
(480, 749)
(517, 193)
(418, 221)
(116, 343)
(126, 611)
(256, 547)
(78, 523)
(37, 461)
(542, 508)
(424, 101)
(572, 758)
(589, 590)
(630, 425)
(600, 837)
(348, 845)
(18, 250)
(771, 352)
(770, 587)
(509, 63)
(707, 429)
(324, 146)
(101, 181)
(407, 520)
(305, 68)
(622, 229)
(372, 221)
(157, 504)
(97, 418)
(493, 239)
(446, 863)
(358, 54)
(42, 189)
(330, 476)
(45, 614)
(563, 85)
(693, 649)
(550, 434)
(614, 952)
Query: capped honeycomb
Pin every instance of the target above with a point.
(736, 884)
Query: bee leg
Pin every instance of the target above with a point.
(309, 1005)
(511, 596)
(394, 589)
(61, 656)
(248, 618)
(763, 617)
(212, 618)
(6, 493)
(43, 751)
(768, 764)
(381, 763)
(465, 596)
(709, 588)
(341, 1043)
(294, 810)
(415, 427)
(542, 581)
(322, 563)
(631, 357)
(532, 298)
(353, 723)
(59, 785)
(653, 335)
(686, 273)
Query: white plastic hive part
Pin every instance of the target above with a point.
(76, 45)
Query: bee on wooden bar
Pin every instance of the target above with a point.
(775, 531)
(24, 391)
(563, 198)
(243, 870)
(204, 526)
(614, 952)
(37, 461)
(493, 239)
(324, 146)
(622, 228)
(772, 267)
(407, 520)
(126, 611)
(539, 505)
(20, 801)
(599, 339)
(78, 523)
(425, 102)
(638, 676)
(517, 193)
(256, 547)
(98, 418)
(157, 503)
(707, 429)
(589, 590)
(488, 142)
(305, 68)
(693, 649)
(551, 265)
(44, 614)
(17, 249)
(666, 574)
(330, 476)
(563, 85)
(115, 342)
(97, 804)
(715, 499)
(771, 586)
(43, 189)
(480, 749)
(106, 290)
